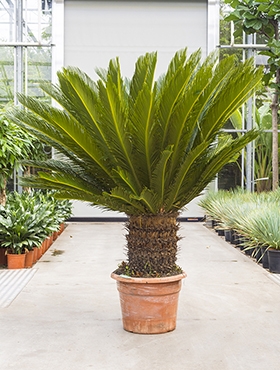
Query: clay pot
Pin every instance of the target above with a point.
(15, 261)
(149, 305)
(45, 246)
(49, 241)
(61, 228)
(40, 251)
(35, 255)
(29, 259)
(3, 257)
(55, 235)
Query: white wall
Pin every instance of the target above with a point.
(97, 31)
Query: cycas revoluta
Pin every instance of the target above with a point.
(145, 147)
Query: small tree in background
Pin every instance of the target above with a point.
(262, 18)
(15, 145)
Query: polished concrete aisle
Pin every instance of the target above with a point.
(67, 317)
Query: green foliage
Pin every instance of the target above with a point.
(262, 18)
(225, 35)
(254, 216)
(263, 145)
(28, 219)
(139, 146)
(16, 144)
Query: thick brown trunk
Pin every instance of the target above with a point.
(152, 245)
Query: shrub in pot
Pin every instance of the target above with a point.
(18, 233)
(265, 229)
(255, 217)
(143, 147)
(26, 221)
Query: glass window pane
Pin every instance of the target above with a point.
(38, 70)
(6, 75)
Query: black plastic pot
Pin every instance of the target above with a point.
(274, 260)
(221, 232)
(257, 254)
(264, 253)
(228, 235)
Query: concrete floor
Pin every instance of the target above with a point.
(67, 317)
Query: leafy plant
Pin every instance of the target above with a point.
(140, 146)
(254, 216)
(19, 226)
(15, 145)
(28, 219)
(262, 17)
(263, 145)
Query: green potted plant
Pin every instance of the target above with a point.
(263, 229)
(143, 147)
(18, 233)
(26, 221)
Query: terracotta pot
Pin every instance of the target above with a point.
(3, 257)
(49, 241)
(45, 246)
(61, 228)
(149, 305)
(35, 255)
(40, 251)
(16, 261)
(29, 259)
(55, 235)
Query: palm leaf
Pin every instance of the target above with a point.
(139, 146)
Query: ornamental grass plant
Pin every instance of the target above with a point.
(255, 216)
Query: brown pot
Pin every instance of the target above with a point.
(61, 228)
(16, 261)
(40, 251)
(48, 241)
(45, 246)
(29, 259)
(55, 235)
(3, 257)
(149, 305)
(35, 255)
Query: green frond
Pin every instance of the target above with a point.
(139, 146)
(142, 118)
(120, 200)
(150, 200)
(160, 175)
(143, 74)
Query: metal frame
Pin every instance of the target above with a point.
(250, 48)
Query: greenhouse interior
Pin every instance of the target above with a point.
(145, 133)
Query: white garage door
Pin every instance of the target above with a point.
(97, 31)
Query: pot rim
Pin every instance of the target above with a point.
(151, 280)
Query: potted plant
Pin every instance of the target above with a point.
(143, 147)
(253, 216)
(15, 144)
(264, 230)
(20, 228)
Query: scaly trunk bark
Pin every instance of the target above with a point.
(152, 245)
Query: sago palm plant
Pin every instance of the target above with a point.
(141, 146)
